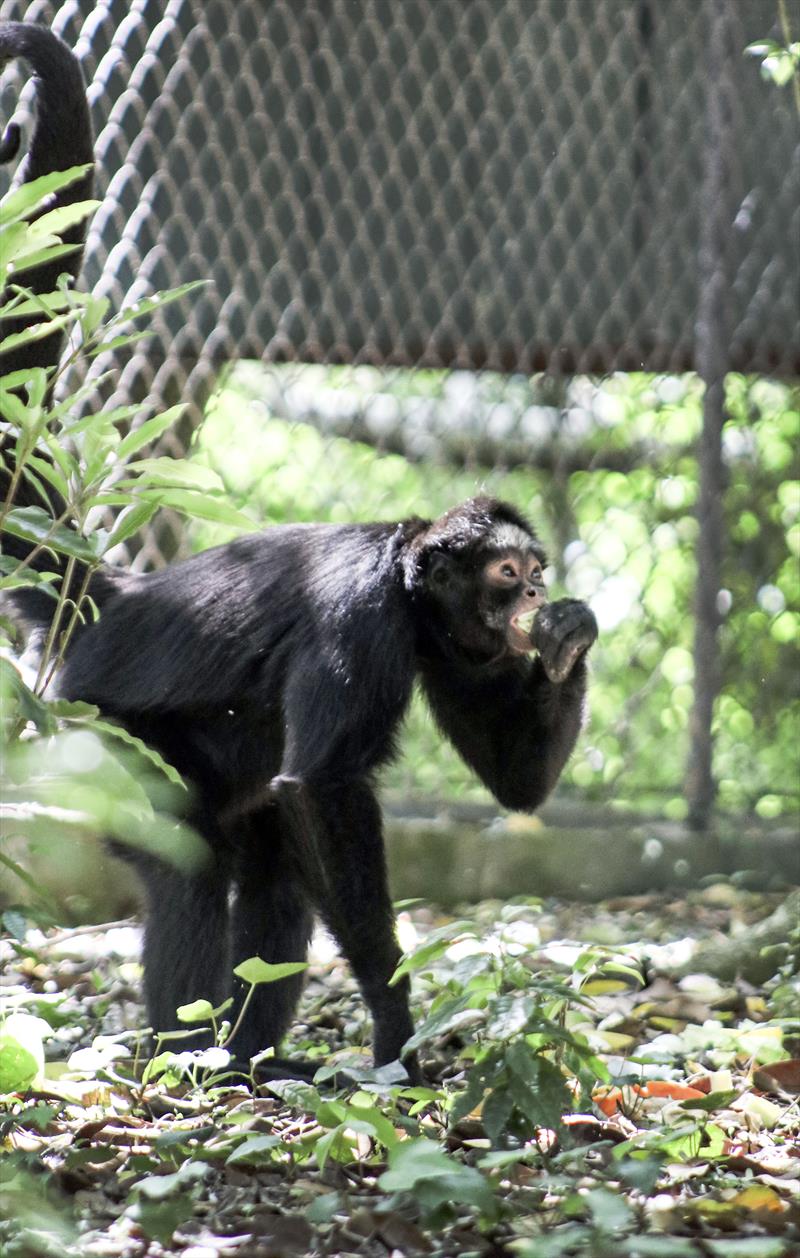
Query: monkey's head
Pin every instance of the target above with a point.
(480, 573)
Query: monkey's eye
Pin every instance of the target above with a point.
(502, 572)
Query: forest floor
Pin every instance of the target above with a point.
(579, 1100)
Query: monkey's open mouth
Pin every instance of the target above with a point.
(525, 622)
(520, 633)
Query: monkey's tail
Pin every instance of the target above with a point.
(62, 138)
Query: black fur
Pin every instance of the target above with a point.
(274, 672)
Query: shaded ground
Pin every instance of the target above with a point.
(686, 1139)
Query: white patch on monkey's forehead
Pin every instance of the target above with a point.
(507, 536)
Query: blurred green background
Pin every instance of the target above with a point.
(614, 507)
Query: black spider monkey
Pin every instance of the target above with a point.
(275, 671)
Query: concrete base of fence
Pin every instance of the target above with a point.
(451, 854)
(447, 858)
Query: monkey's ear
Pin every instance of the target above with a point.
(439, 571)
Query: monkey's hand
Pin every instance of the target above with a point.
(562, 632)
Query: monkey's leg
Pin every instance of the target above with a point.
(356, 906)
(272, 919)
(186, 952)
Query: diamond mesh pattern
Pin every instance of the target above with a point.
(509, 184)
(513, 185)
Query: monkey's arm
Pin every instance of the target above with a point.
(516, 727)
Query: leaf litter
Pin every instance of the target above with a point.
(679, 1138)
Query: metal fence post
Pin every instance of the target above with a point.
(712, 332)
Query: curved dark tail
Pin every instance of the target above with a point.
(62, 138)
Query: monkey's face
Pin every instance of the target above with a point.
(489, 598)
(514, 590)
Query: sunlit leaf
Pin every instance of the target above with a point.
(29, 197)
(256, 971)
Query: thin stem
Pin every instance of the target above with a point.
(55, 624)
(70, 629)
(12, 489)
(234, 1029)
(28, 441)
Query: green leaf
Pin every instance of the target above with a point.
(28, 579)
(523, 1062)
(46, 253)
(256, 971)
(148, 432)
(32, 378)
(199, 506)
(497, 1110)
(158, 1219)
(254, 1151)
(15, 924)
(178, 472)
(50, 473)
(148, 305)
(466, 1101)
(102, 421)
(381, 1126)
(660, 1247)
(434, 947)
(30, 707)
(197, 1011)
(25, 200)
(413, 1160)
(762, 48)
(610, 1212)
(157, 1066)
(12, 241)
(21, 1051)
(155, 757)
(16, 411)
(118, 342)
(420, 1168)
(57, 221)
(53, 303)
(780, 68)
(37, 332)
(73, 708)
(322, 1209)
(712, 1101)
(333, 1144)
(294, 1092)
(748, 1247)
(440, 1021)
(603, 986)
(129, 522)
(33, 524)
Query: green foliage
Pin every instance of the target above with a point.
(522, 1048)
(197, 1065)
(21, 1051)
(436, 1182)
(492, 1151)
(780, 63)
(67, 772)
(628, 546)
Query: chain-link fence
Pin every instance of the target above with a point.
(509, 184)
(474, 208)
